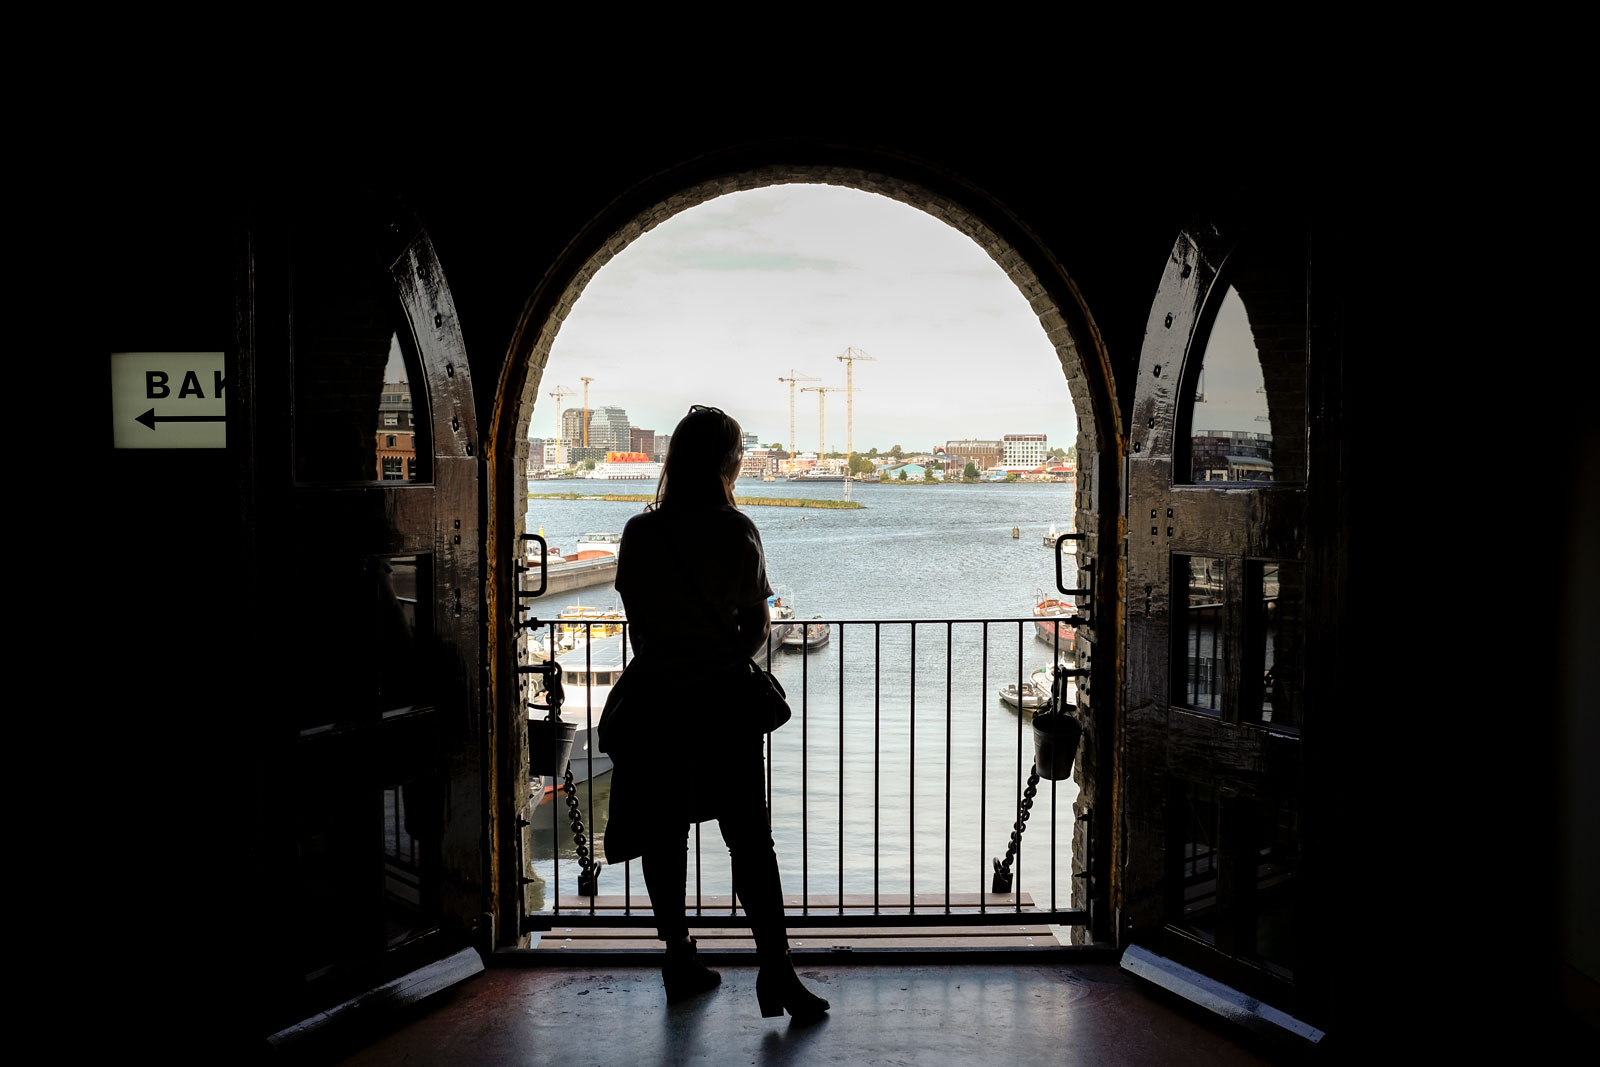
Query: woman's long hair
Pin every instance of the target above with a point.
(703, 460)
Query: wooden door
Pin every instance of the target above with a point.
(1217, 618)
(367, 591)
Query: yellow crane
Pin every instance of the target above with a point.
(850, 357)
(585, 382)
(560, 393)
(794, 445)
(822, 392)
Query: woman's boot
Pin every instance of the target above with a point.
(778, 989)
(683, 974)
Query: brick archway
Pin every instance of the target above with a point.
(1030, 264)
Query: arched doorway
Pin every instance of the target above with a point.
(1062, 314)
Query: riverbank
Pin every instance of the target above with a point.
(743, 501)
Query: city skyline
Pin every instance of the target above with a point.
(717, 303)
(956, 351)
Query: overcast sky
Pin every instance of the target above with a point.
(720, 301)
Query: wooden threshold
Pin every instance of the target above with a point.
(1014, 930)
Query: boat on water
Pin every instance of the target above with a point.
(588, 674)
(1052, 535)
(1049, 621)
(807, 636)
(575, 625)
(1035, 692)
(1029, 695)
(598, 542)
(592, 562)
(780, 609)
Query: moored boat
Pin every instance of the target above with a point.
(575, 625)
(1029, 695)
(807, 636)
(780, 610)
(588, 674)
(1050, 623)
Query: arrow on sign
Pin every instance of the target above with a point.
(150, 418)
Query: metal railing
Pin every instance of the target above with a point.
(892, 792)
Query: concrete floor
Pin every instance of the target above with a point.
(987, 1014)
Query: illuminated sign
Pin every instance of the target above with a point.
(168, 400)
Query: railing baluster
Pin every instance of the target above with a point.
(877, 751)
(983, 775)
(555, 808)
(949, 659)
(912, 816)
(627, 867)
(588, 692)
(1016, 886)
(805, 775)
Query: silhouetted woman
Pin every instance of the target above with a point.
(693, 580)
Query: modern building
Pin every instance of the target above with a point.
(642, 441)
(609, 429)
(573, 421)
(1028, 450)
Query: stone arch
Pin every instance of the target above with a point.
(1031, 265)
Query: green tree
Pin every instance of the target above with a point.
(776, 445)
(860, 464)
(1072, 453)
(902, 474)
(1012, 476)
(928, 473)
(588, 464)
(970, 474)
(895, 452)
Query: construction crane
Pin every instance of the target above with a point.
(794, 445)
(561, 392)
(585, 382)
(822, 392)
(850, 357)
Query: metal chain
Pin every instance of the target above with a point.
(588, 869)
(1002, 871)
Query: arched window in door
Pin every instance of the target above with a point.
(1242, 410)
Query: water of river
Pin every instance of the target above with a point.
(918, 739)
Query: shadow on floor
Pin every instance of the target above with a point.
(986, 1014)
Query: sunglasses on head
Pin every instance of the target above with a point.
(693, 408)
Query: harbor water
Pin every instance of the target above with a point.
(902, 769)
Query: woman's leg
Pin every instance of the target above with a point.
(666, 867)
(666, 872)
(747, 828)
(747, 831)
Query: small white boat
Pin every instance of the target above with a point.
(807, 636)
(1052, 536)
(1030, 696)
(588, 673)
(780, 609)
